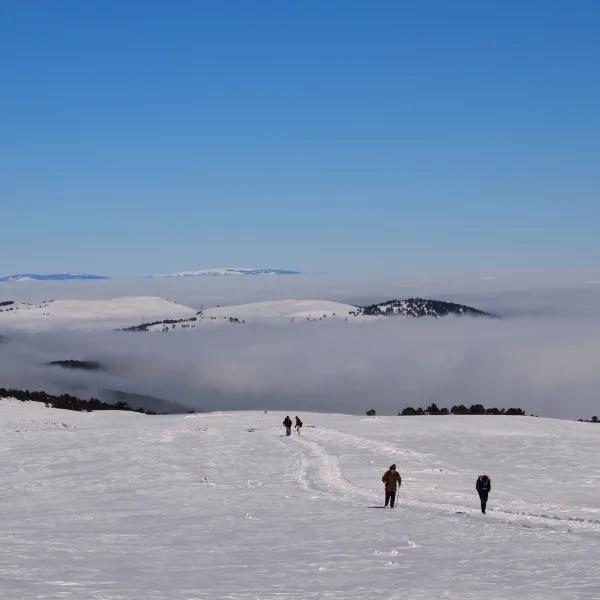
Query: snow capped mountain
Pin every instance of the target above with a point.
(52, 277)
(229, 271)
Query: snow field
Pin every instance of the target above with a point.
(104, 314)
(284, 309)
(134, 310)
(112, 505)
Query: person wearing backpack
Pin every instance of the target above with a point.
(287, 423)
(298, 424)
(483, 487)
(392, 481)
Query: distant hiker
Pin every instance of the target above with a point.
(392, 480)
(298, 424)
(483, 487)
(287, 423)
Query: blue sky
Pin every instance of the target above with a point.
(324, 136)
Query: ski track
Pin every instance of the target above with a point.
(321, 472)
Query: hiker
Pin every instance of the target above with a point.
(483, 487)
(298, 424)
(287, 423)
(392, 480)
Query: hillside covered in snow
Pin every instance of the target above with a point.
(125, 506)
(147, 313)
(104, 314)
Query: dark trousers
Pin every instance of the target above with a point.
(390, 497)
(483, 496)
(288, 430)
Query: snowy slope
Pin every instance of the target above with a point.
(279, 311)
(284, 309)
(112, 505)
(92, 313)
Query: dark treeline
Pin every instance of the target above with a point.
(461, 409)
(67, 401)
(87, 365)
(172, 322)
(594, 419)
(145, 326)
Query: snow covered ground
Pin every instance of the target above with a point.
(115, 506)
(130, 311)
(103, 314)
(285, 309)
(272, 312)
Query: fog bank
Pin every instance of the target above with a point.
(546, 364)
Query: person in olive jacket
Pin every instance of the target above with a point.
(483, 487)
(392, 480)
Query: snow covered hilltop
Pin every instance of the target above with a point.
(421, 307)
(229, 271)
(152, 313)
(310, 310)
(212, 506)
(52, 277)
(104, 313)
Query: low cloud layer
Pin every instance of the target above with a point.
(544, 356)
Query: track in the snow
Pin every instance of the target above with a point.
(320, 473)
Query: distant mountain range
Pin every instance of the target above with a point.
(51, 277)
(229, 271)
(149, 313)
(310, 310)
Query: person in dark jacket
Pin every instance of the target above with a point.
(483, 487)
(392, 481)
(287, 423)
(298, 424)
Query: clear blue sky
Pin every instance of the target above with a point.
(141, 137)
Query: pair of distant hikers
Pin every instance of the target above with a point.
(287, 423)
(392, 481)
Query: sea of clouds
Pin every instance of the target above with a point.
(543, 354)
